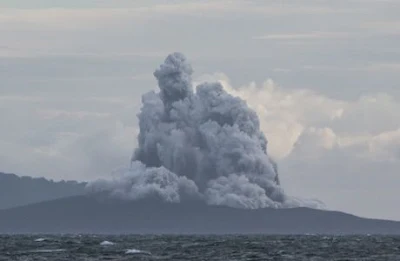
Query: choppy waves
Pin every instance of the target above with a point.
(309, 247)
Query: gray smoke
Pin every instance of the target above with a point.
(201, 143)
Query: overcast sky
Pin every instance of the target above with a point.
(324, 77)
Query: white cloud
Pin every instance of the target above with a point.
(284, 114)
(19, 98)
(387, 67)
(357, 174)
(81, 155)
(316, 35)
(40, 139)
(386, 145)
(53, 114)
(117, 28)
(379, 67)
(387, 26)
(75, 20)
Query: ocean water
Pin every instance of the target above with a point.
(96, 247)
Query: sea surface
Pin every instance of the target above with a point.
(96, 247)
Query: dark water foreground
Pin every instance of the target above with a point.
(93, 247)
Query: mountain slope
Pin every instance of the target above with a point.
(83, 214)
(19, 191)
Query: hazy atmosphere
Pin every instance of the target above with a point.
(323, 77)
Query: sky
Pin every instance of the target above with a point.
(323, 76)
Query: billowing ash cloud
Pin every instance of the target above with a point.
(201, 143)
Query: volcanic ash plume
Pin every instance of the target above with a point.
(202, 144)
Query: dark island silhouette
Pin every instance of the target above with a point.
(100, 215)
(23, 190)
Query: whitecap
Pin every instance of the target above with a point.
(136, 251)
(107, 243)
(41, 239)
(48, 250)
